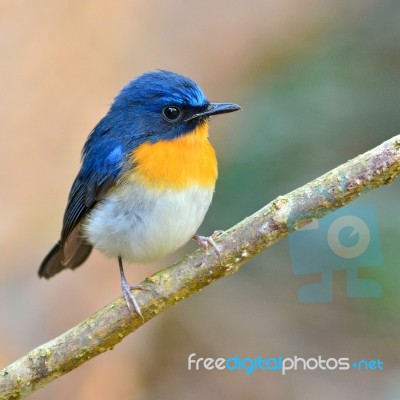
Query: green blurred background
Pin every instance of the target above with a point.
(319, 83)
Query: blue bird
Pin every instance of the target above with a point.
(147, 177)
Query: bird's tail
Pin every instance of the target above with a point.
(55, 262)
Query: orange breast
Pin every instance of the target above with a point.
(176, 164)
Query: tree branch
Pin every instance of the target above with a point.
(103, 330)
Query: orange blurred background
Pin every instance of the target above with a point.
(319, 83)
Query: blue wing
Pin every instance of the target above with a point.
(100, 169)
(101, 166)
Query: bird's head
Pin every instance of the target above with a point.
(162, 105)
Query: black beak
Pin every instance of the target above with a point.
(214, 109)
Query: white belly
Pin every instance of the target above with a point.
(141, 225)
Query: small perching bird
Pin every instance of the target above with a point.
(147, 177)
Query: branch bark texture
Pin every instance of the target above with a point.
(106, 328)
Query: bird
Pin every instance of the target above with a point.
(147, 178)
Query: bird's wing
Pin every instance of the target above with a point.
(86, 191)
(101, 167)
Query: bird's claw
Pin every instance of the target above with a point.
(205, 241)
(130, 299)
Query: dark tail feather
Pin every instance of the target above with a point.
(53, 263)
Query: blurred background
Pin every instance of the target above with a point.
(319, 83)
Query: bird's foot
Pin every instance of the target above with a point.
(130, 300)
(205, 241)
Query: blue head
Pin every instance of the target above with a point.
(159, 105)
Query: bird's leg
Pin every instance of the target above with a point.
(204, 241)
(126, 291)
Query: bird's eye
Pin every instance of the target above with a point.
(171, 113)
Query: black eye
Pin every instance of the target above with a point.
(171, 113)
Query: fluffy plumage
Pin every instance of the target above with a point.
(140, 224)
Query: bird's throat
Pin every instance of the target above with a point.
(178, 163)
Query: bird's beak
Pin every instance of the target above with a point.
(214, 109)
